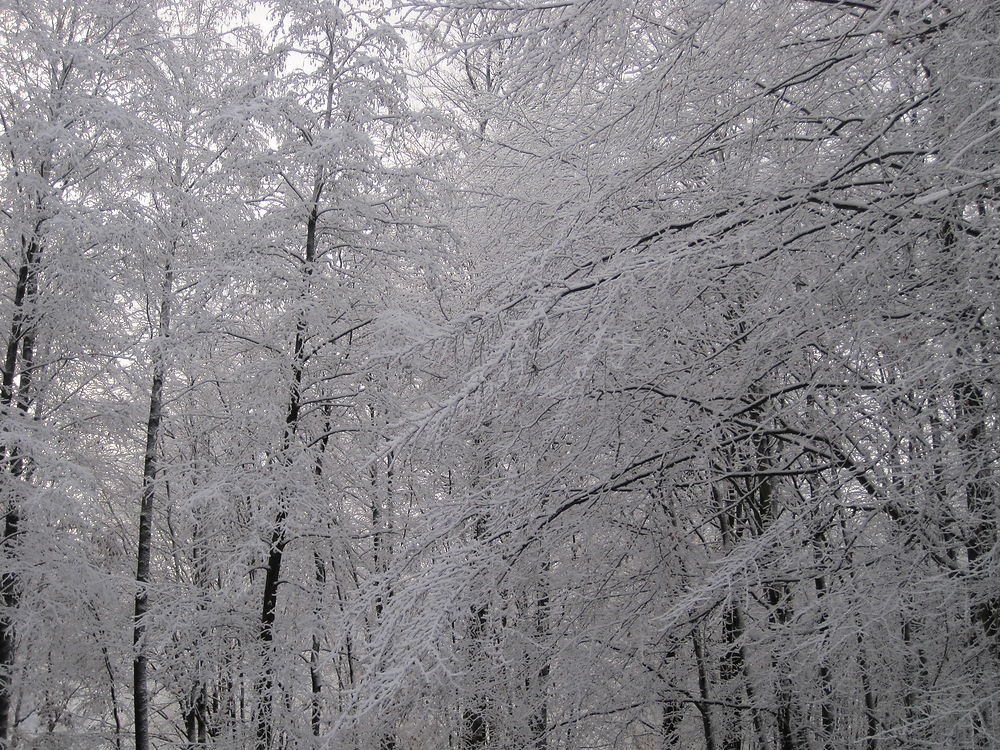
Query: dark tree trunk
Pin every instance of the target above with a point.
(8, 589)
(971, 414)
(671, 716)
(150, 469)
(826, 685)
(265, 684)
(476, 729)
(871, 717)
(475, 721)
(735, 661)
(539, 719)
(381, 518)
(703, 688)
(197, 718)
(20, 341)
(279, 538)
(315, 678)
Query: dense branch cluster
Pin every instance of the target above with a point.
(499, 375)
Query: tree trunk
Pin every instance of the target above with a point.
(826, 709)
(20, 341)
(703, 688)
(871, 717)
(315, 678)
(382, 510)
(971, 413)
(671, 716)
(8, 589)
(279, 538)
(735, 661)
(539, 719)
(476, 729)
(150, 468)
(265, 685)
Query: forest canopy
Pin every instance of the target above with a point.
(499, 374)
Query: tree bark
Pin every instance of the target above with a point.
(971, 411)
(319, 570)
(735, 661)
(703, 688)
(475, 721)
(8, 589)
(315, 678)
(20, 346)
(539, 719)
(871, 717)
(265, 684)
(279, 537)
(150, 469)
(827, 719)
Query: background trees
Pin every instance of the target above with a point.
(69, 101)
(626, 379)
(716, 321)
